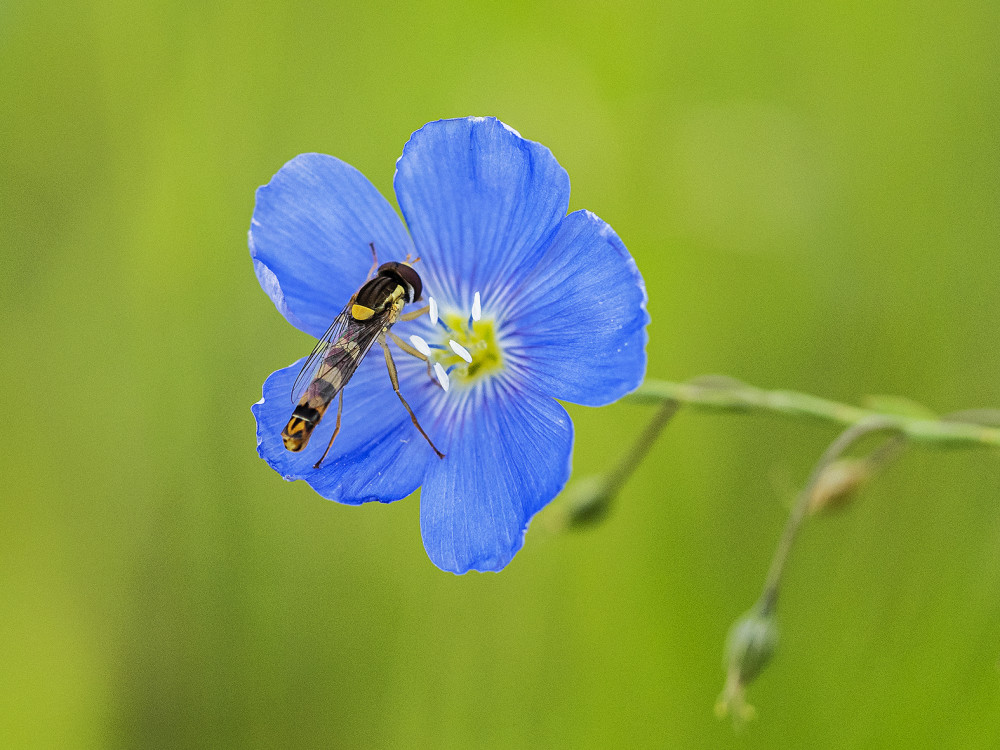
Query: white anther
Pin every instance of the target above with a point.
(420, 345)
(460, 350)
(442, 376)
(432, 310)
(477, 307)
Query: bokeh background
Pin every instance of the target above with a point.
(812, 191)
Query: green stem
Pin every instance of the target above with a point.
(850, 436)
(589, 500)
(731, 395)
(630, 461)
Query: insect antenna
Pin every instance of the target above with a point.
(374, 260)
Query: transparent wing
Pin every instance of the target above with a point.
(343, 346)
(312, 364)
(344, 356)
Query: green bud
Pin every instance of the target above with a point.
(587, 501)
(749, 647)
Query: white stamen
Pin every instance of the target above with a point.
(420, 345)
(460, 350)
(442, 376)
(433, 310)
(477, 307)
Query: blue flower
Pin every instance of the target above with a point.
(545, 305)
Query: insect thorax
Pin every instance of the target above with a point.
(379, 293)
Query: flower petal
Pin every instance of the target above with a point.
(509, 455)
(312, 224)
(480, 202)
(578, 326)
(378, 454)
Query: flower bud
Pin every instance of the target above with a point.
(749, 647)
(750, 644)
(838, 484)
(587, 501)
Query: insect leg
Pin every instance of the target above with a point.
(336, 429)
(413, 352)
(374, 260)
(415, 314)
(395, 386)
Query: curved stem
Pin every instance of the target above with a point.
(591, 498)
(836, 449)
(731, 395)
(628, 463)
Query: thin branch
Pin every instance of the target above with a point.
(630, 461)
(836, 449)
(724, 394)
(589, 500)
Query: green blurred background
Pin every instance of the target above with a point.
(812, 192)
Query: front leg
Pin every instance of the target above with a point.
(415, 353)
(415, 314)
(395, 386)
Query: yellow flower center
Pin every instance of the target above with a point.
(478, 339)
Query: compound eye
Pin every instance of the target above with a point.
(411, 278)
(406, 276)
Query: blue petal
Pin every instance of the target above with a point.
(480, 202)
(577, 329)
(509, 456)
(378, 454)
(309, 237)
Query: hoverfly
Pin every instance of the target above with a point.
(368, 317)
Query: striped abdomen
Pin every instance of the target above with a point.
(338, 366)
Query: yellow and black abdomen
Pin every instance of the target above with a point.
(309, 412)
(296, 434)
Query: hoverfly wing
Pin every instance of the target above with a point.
(338, 354)
(307, 374)
(345, 354)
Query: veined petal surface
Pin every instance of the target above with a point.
(310, 234)
(480, 202)
(577, 327)
(378, 454)
(509, 455)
